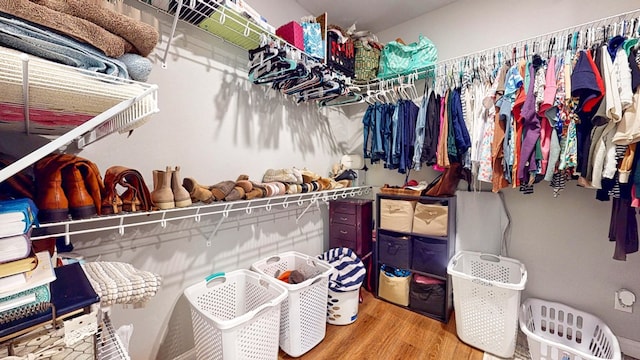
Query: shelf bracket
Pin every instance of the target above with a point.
(225, 215)
(313, 200)
(67, 237)
(25, 91)
(172, 38)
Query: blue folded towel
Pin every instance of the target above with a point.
(40, 41)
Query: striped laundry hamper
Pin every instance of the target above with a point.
(344, 285)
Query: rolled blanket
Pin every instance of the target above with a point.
(138, 67)
(83, 30)
(144, 37)
(41, 42)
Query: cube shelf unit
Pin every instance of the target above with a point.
(421, 254)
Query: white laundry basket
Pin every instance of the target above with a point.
(557, 331)
(236, 315)
(342, 307)
(303, 319)
(486, 299)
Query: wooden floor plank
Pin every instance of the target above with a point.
(385, 331)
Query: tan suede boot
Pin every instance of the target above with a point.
(196, 191)
(162, 196)
(180, 194)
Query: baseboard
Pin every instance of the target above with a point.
(188, 355)
(629, 347)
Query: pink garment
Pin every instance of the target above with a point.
(550, 90)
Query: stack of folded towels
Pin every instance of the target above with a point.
(79, 33)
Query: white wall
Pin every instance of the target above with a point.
(563, 241)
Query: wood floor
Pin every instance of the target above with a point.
(384, 332)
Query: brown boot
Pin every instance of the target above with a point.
(180, 194)
(162, 196)
(196, 191)
(81, 205)
(51, 201)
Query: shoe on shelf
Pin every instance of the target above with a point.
(162, 195)
(181, 196)
(196, 191)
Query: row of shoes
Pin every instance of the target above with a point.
(244, 189)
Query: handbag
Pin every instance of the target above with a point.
(367, 59)
(430, 219)
(396, 58)
(312, 36)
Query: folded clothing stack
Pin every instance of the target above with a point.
(121, 283)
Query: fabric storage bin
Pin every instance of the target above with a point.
(394, 250)
(303, 319)
(396, 215)
(292, 32)
(236, 315)
(428, 295)
(558, 331)
(430, 219)
(394, 288)
(429, 255)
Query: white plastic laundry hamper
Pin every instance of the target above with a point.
(557, 331)
(236, 315)
(486, 299)
(342, 307)
(303, 319)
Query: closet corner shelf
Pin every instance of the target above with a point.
(217, 20)
(65, 104)
(120, 222)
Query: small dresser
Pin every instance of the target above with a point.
(350, 225)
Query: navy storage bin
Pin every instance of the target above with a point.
(429, 256)
(394, 250)
(428, 298)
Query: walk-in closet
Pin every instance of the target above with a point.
(281, 179)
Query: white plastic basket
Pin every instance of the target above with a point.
(303, 316)
(236, 315)
(486, 299)
(342, 307)
(557, 331)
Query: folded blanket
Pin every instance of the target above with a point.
(112, 45)
(144, 37)
(41, 42)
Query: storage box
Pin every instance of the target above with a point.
(429, 255)
(430, 219)
(394, 250)
(558, 331)
(394, 289)
(236, 315)
(292, 33)
(396, 215)
(303, 319)
(486, 296)
(428, 295)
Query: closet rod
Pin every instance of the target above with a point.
(603, 21)
(557, 33)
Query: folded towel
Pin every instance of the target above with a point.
(36, 40)
(112, 45)
(144, 37)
